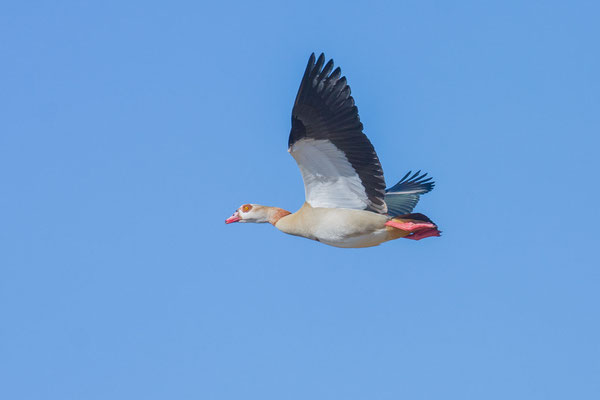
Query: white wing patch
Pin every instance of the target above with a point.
(330, 181)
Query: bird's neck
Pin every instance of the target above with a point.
(275, 214)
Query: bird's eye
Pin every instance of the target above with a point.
(246, 207)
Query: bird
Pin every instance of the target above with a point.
(346, 202)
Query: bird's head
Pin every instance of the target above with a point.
(250, 213)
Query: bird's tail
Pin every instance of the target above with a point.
(417, 226)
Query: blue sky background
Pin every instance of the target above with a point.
(130, 130)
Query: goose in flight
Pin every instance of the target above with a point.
(346, 202)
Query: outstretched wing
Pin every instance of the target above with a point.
(338, 163)
(404, 195)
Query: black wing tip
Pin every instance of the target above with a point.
(315, 67)
(310, 65)
(323, 83)
(313, 56)
(315, 64)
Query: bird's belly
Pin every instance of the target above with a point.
(356, 240)
(337, 226)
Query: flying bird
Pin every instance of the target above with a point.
(346, 202)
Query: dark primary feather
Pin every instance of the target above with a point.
(404, 195)
(324, 109)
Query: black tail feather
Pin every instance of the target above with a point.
(416, 217)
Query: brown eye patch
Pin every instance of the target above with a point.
(246, 207)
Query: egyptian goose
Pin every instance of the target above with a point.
(346, 204)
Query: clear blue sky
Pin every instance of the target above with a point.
(130, 130)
